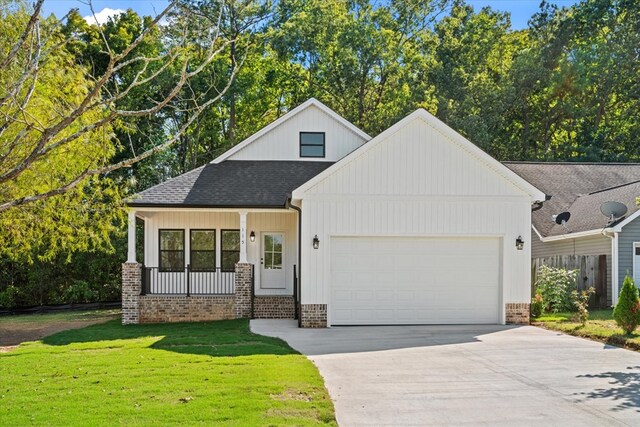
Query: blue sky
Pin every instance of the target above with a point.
(521, 10)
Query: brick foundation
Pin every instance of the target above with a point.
(244, 282)
(181, 308)
(517, 313)
(131, 286)
(273, 307)
(313, 315)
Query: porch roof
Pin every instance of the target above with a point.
(232, 183)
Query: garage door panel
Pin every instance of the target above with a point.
(384, 280)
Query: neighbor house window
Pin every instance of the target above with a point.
(203, 250)
(230, 249)
(311, 144)
(171, 250)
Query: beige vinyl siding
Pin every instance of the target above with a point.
(588, 245)
(283, 142)
(417, 182)
(630, 233)
(285, 222)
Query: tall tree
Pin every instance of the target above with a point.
(58, 120)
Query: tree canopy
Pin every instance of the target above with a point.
(91, 113)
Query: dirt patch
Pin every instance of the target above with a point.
(14, 334)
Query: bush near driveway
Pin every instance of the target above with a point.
(627, 311)
(214, 373)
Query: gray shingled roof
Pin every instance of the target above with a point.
(579, 188)
(232, 183)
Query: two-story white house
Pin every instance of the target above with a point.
(312, 218)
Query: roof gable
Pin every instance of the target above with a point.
(418, 139)
(314, 116)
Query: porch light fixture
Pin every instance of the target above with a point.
(252, 236)
(316, 242)
(519, 243)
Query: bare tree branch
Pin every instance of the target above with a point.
(35, 16)
(102, 97)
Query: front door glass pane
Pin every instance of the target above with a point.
(272, 253)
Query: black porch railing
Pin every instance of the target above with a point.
(187, 282)
(296, 296)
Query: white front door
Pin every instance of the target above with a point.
(636, 263)
(272, 274)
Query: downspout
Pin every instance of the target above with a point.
(299, 256)
(613, 235)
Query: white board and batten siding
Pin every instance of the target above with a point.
(285, 222)
(283, 141)
(416, 183)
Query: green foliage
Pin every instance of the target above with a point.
(627, 312)
(581, 302)
(85, 218)
(554, 286)
(563, 89)
(537, 305)
(66, 278)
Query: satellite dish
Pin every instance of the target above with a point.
(613, 210)
(563, 218)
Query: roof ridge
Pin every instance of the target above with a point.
(171, 179)
(613, 187)
(531, 162)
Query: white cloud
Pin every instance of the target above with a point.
(103, 16)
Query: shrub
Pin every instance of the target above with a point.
(537, 305)
(581, 302)
(627, 311)
(555, 286)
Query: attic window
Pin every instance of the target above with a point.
(311, 144)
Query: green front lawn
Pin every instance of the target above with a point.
(599, 327)
(215, 373)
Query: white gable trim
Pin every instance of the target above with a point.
(576, 235)
(311, 102)
(618, 228)
(506, 173)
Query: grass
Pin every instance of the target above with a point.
(214, 373)
(600, 327)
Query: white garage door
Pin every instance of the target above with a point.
(397, 280)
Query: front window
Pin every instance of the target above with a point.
(203, 250)
(171, 250)
(311, 144)
(230, 249)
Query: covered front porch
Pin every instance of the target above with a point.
(206, 264)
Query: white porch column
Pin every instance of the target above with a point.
(243, 236)
(131, 255)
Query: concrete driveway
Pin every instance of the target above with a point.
(468, 375)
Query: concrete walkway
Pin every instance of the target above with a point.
(468, 375)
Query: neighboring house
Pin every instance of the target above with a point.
(581, 189)
(312, 218)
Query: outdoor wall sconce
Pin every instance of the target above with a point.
(316, 242)
(519, 243)
(252, 236)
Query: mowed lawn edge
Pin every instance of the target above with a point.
(214, 373)
(600, 327)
